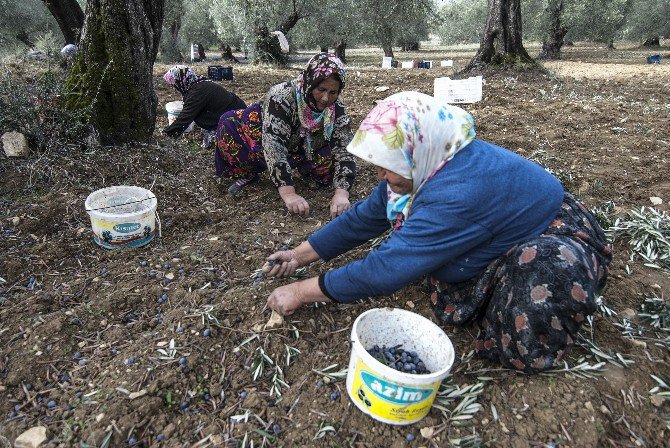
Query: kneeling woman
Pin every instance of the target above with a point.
(501, 241)
(300, 125)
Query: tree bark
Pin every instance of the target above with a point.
(113, 75)
(340, 50)
(410, 46)
(501, 42)
(388, 50)
(69, 16)
(553, 41)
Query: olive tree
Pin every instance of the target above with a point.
(647, 20)
(69, 16)
(596, 20)
(387, 22)
(462, 21)
(172, 22)
(235, 19)
(335, 23)
(501, 41)
(113, 75)
(23, 22)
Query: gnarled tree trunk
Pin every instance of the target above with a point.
(553, 41)
(340, 50)
(69, 16)
(501, 42)
(652, 41)
(169, 49)
(388, 50)
(113, 72)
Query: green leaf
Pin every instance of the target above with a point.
(358, 137)
(106, 440)
(394, 139)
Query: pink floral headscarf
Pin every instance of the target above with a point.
(319, 67)
(182, 78)
(414, 135)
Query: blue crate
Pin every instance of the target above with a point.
(654, 59)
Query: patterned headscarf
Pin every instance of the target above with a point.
(319, 67)
(414, 135)
(182, 78)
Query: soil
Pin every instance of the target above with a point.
(598, 120)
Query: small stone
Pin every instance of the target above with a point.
(51, 404)
(410, 437)
(276, 321)
(15, 144)
(32, 438)
(16, 221)
(169, 276)
(628, 313)
(427, 433)
(99, 417)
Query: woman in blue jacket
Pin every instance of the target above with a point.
(499, 239)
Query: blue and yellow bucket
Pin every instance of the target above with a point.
(386, 394)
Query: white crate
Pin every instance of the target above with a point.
(407, 64)
(387, 61)
(447, 63)
(458, 90)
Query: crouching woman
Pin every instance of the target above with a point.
(501, 242)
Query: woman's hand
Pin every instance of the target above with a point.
(285, 299)
(294, 202)
(340, 202)
(282, 264)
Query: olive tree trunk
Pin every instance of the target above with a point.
(113, 73)
(553, 41)
(169, 48)
(653, 41)
(501, 42)
(340, 50)
(69, 16)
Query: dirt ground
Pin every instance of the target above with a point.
(87, 350)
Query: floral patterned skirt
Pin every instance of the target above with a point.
(239, 153)
(530, 302)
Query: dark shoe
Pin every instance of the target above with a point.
(239, 184)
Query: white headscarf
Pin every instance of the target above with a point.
(414, 135)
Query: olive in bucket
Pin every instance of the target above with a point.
(385, 390)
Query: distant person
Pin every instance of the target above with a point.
(204, 102)
(69, 54)
(300, 125)
(500, 241)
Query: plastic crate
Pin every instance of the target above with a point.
(218, 73)
(458, 90)
(654, 59)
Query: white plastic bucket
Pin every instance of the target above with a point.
(122, 216)
(173, 109)
(386, 394)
